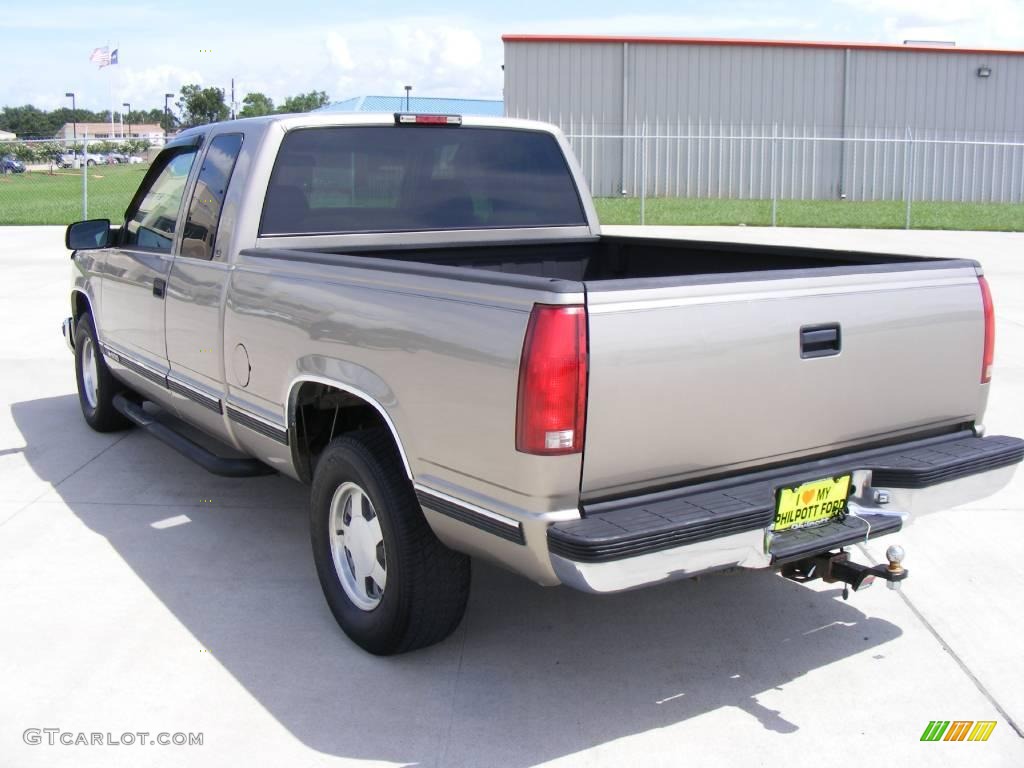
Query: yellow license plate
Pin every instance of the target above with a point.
(811, 503)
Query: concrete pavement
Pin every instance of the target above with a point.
(138, 593)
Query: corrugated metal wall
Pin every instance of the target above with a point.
(709, 112)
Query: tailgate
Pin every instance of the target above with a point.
(728, 372)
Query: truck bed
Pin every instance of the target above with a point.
(708, 358)
(623, 258)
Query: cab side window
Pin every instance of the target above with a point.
(151, 223)
(200, 233)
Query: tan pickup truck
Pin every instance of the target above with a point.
(419, 315)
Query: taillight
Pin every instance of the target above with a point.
(990, 332)
(552, 401)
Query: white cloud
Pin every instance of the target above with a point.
(337, 48)
(436, 55)
(461, 48)
(140, 87)
(933, 10)
(81, 17)
(672, 25)
(980, 23)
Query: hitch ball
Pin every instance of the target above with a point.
(894, 555)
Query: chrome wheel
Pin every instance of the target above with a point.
(90, 373)
(357, 546)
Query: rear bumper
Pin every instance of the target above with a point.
(645, 540)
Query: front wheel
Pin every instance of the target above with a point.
(391, 585)
(96, 384)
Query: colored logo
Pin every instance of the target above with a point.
(958, 730)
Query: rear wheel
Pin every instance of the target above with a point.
(391, 585)
(96, 385)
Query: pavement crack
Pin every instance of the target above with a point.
(67, 477)
(960, 662)
(455, 692)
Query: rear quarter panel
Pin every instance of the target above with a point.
(440, 356)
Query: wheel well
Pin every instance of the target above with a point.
(79, 304)
(320, 413)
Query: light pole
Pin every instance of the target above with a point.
(167, 114)
(407, 89)
(127, 104)
(74, 122)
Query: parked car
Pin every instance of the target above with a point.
(10, 164)
(419, 316)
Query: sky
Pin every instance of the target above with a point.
(441, 49)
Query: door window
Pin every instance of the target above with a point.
(151, 222)
(200, 233)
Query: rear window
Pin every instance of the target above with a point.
(409, 178)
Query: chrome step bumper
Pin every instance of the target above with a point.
(629, 543)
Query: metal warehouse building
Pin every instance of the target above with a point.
(755, 119)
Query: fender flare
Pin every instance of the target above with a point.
(298, 381)
(88, 302)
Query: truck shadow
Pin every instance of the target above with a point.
(531, 675)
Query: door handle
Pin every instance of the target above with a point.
(820, 340)
(159, 284)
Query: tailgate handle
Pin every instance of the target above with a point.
(819, 340)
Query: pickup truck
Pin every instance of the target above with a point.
(418, 316)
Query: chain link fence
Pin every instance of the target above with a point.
(772, 175)
(50, 181)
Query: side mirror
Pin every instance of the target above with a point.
(87, 235)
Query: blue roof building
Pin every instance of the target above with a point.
(418, 104)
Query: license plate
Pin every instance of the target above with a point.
(811, 503)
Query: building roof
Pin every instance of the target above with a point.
(752, 43)
(7, 135)
(421, 104)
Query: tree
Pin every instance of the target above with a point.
(256, 104)
(304, 102)
(199, 106)
(30, 122)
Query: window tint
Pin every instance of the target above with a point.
(402, 178)
(152, 224)
(212, 184)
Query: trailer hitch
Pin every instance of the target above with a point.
(834, 567)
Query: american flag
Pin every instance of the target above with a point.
(103, 56)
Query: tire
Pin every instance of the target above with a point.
(96, 384)
(425, 585)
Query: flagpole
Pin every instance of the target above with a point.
(110, 92)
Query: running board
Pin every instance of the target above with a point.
(211, 462)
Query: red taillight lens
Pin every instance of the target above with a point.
(552, 401)
(990, 332)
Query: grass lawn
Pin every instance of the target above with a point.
(43, 198)
(37, 197)
(813, 213)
